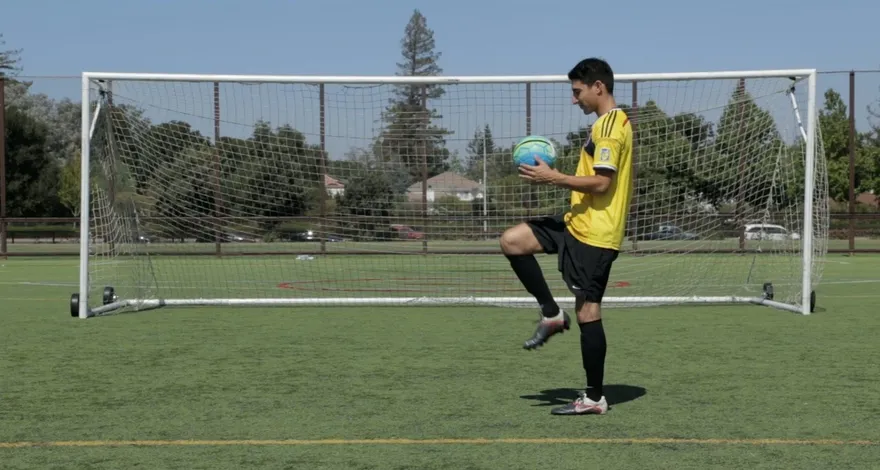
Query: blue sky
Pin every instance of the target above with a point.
(342, 37)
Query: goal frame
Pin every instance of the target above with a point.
(80, 301)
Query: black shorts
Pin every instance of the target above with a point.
(585, 268)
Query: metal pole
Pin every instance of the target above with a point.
(809, 188)
(635, 153)
(217, 195)
(529, 190)
(3, 167)
(424, 146)
(113, 152)
(852, 162)
(485, 188)
(740, 96)
(84, 197)
(323, 165)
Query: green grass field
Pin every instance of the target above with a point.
(446, 388)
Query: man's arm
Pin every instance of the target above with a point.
(594, 184)
(607, 149)
(605, 162)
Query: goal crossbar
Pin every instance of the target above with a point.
(797, 74)
(807, 252)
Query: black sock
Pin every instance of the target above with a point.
(529, 272)
(593, 348)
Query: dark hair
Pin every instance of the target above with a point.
(591, 70)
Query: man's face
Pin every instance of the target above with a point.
(584, 96)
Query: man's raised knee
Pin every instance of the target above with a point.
(508, 241)
(519, 240)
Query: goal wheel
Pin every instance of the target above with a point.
(768, 290)
(74, 305)
(109, 295)
(812, 301)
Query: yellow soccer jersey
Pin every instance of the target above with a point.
(600, 219)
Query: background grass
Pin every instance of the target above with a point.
(707, 372)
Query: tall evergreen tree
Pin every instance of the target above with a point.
(9, 60)
(481, 144)
(410, 137)
(747, 150)
(499, 163)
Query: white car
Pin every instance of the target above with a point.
(769, 232)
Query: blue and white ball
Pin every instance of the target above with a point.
(526, 150)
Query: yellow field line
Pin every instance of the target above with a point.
(475, 441)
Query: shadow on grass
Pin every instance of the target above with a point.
(614, 393)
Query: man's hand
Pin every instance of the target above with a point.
(540, 173)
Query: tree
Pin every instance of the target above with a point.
(747, 151)
(69, 187)
(671, 174)
(9, 60)
(410, 138)
(481, 145)
(31, 174)
(183, 193)
(695, 128)
(870, 152)
(369, 203)
(499, 163)
(61, 117)
(834, 123)
(279, 175)
(870, 141)
(118, 143)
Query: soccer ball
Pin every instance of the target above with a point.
(526, 149)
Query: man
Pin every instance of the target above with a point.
(588, 237)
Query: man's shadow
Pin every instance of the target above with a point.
(614, 394)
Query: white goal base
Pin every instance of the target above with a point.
(145, 304)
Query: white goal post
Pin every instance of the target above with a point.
(257, 190)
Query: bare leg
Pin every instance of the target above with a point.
(520, 240)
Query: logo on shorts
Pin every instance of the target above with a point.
(605, 154)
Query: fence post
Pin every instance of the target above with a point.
(3, 168)
(852, 162)
(739, 217)
(219, 230)
(424, 145)
(528, 198)
(322, 185)
(635, 166)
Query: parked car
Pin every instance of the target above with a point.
(668, 232)
(407, 232)
(769, 232)
(313, 236)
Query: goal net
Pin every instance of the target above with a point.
(254, 190)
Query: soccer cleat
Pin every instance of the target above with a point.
(548, 327)
(583, 406)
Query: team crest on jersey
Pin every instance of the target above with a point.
(604, 154)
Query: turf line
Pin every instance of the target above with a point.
(473, 441)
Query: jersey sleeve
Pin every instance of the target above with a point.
(608, 136)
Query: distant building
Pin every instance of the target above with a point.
(868, 198)
(447, 184)
(334, 186)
